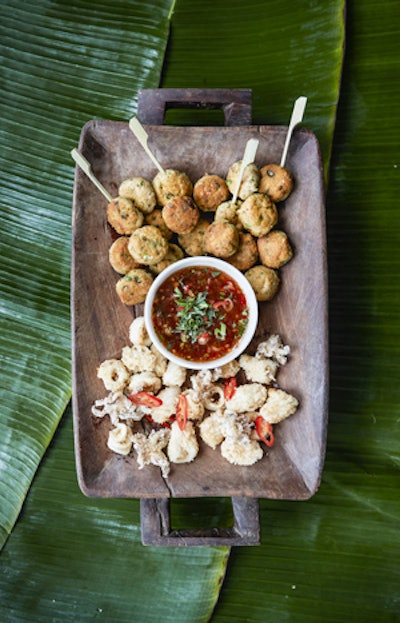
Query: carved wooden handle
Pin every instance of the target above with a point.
(156, 529)
(235, 103)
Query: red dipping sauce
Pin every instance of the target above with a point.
(199, 313)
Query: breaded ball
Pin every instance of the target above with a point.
(193, 242)
(124, 216)
(140, 191)
(274, 249)
(258, 214)
(147, 245)
(227, 211)
(264, 281)
(276, 182)
(174, 254)
(209, 192)
(250, 180)
(221, 239)
(155, 218)
(120, 258)
(171, 183)
(246, 255)
(133, 287)
(181, 214)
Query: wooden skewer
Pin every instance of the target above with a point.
(142, 136)
(248, 158)
(87, 169)
(297, 116)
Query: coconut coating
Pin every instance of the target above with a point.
(120, 258)
(124, 216)
(221, 239)
(140, 191)
(133, 287)
(227, 211)
(147, 245)
(264, 281)
(181, 214)
(276, 182)
(193, 242)
(209, 192)
(174, 254)
(258, 214)
(171, 183)
(156, 218)
(274, 249)
(246, 255)
(250, 180)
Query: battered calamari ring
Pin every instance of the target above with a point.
(114, 374)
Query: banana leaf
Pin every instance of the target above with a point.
(78, 559)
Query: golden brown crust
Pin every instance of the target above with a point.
(246, 255)
(274, 249)
(133, 287)
(140, 191)
(193, 242)
(147, 245)
(171, 183)
(120, 258)
(264, 281)
(221, 239)
(276, 182)
(258, 214)
(209, 192)
(181, 215)
(124, 216)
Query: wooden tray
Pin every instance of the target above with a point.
(292, 468)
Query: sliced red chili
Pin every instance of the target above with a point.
(264, 431)
(230, 386)
(182, 411)
(146, 399)
(226, 304)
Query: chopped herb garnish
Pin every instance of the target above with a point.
(195, 315)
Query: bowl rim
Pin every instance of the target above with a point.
(243, 283)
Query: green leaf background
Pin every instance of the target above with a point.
(70, 558)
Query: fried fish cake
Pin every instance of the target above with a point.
(140, 191)
(133, 287)
(120, 258)
(147, 245)
(276, 182)
(193, 242)
(227, 211)
(209, 192)
(221, 239)
(274, 249)
(170, 183)
(264, 281)
(124, 216)
(246, 255)
(181, 214)
(250, 180)
(258, 214)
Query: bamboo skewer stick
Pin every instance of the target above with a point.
(297, 116)
(248, 158)
(87, 169)
(142, 136)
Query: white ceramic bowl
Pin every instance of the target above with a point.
(214, 264)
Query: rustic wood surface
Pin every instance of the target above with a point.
(292, 468)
